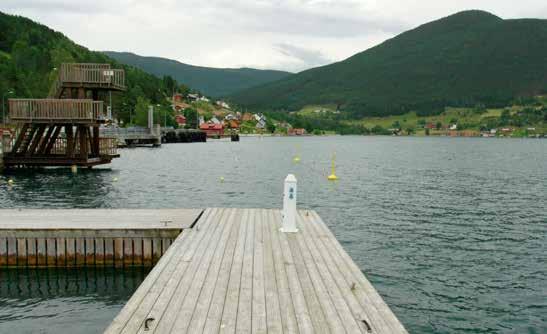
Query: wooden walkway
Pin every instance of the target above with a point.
(97, 219)
(234, 271)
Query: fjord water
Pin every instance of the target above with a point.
(451, 231)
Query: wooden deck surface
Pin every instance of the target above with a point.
(234, 271)
(97, 219)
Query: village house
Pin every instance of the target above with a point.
(296, 132)
(215, 120)
(212, 129)
(181, 120)
(230, 117)
(247, 117)
(231, 124)
(193, 97)
(222, 104)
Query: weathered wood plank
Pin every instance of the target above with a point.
(137, 309)
(234, 250)
(273, 312)
(199, 261)
(259, 324)
(210, 263)
(216, 278)
(302, 311)
(245, 307)
(288, 314)
(229, 313)
(369, 297)
(97, 219)
(339, 294)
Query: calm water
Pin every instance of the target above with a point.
(452, 232)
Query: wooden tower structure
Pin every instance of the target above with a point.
(63, 130)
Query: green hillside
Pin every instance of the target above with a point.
(466, 59)
(30, 52)
(210, 81)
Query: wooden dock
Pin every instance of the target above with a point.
(83, 238)
(234, 271)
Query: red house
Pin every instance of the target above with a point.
(181, 120)
(212, 130)
(296, 132)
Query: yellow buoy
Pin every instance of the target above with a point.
(74, 169)
(10, 182)
(115, 179)
(332, 176)
(222, 179)
(296, 159)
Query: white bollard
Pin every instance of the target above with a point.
(289, 205)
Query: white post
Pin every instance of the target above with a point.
(150, 117)
(289, 205)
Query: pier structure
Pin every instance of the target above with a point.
(89, 238)
(63, 129)
(225, 270)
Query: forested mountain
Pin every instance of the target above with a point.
(466, 59)
(30, 52)
(210, 81)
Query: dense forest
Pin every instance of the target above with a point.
(463, 60)
(210, 81)
(30, 53)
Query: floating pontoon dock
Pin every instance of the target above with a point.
(235, 271)
(220, 271)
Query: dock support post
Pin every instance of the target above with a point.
(289, 205)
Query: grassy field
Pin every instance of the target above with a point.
(464, 118)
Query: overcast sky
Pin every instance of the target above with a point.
(271, 34)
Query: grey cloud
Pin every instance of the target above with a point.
(302, 58)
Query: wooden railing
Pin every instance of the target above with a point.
(107, 146)
(55, 110)
(98, 74)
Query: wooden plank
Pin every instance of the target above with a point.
(229, 313)
(346, 303)
(51, 256)
(89, 251)
(190, 289)
(137, 309)
(259, 295)
(217, 277)
(41, 252)
(12, 251)
(273, 311)
(302, 312)
(245, 306)
(331, 301)
(80, 252)
(138, 251)
(70, 252)
(288, 314)
(61, 252)
(98, 219)
(99, 252)
(3, 251)
(369, 297)
(22, 258)
(109, 251)
(319, 316)
(118, 252)
(147, 251)
(127, 251)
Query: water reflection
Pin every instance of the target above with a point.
(64, 300)
(57, 187)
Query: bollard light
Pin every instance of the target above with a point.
(289, 205)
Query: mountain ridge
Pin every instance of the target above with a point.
(212, 81)
(471, 57)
